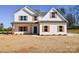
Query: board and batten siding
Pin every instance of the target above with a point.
(48, 17)
(53, 29)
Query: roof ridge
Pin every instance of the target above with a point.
(32, 10)
(26, 11)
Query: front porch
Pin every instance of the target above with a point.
(25, 28)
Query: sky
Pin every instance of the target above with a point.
(7, 11)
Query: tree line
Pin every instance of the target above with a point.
(71, 15)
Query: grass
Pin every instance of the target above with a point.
(5, 32)
(69, 31)
(73, 31)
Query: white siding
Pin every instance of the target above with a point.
(53, 26)
(53, 29)
(22, 13)
(47, 17)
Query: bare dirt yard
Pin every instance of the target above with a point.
(35, 43)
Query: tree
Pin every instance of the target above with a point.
(76, 7)
(9, 29)
(62, 11)
(1, 26)
(76, 13)
(71, 19)
(57, 9)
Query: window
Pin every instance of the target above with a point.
(53, 14)
(23, 29)
(23, 18)
(35, 18)
(60, 28)
(45, 28)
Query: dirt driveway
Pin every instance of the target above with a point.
(35, 43)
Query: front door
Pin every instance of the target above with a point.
(35, 29)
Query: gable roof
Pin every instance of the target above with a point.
(59, 15)
(54, 10)
(26, 11)
(36, 12)
(39, 13)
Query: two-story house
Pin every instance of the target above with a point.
(29, 21)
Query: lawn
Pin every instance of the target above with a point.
(73, 31)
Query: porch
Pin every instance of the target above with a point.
(24, 28)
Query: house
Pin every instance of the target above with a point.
(29, 21)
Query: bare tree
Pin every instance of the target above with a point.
(71, 19)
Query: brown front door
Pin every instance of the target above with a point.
(35, 29)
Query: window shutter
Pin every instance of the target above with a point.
(55, 14)
(19, 17)
(18, 28)
(50, 14)
(40, 18)
(26, 28)
(26, 17)
(42, 28)
(57, 28)
(62, 28)
(49, 28)
(32, 18)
